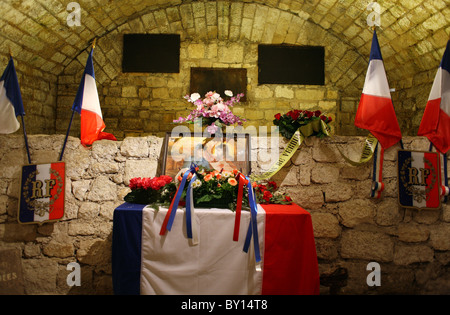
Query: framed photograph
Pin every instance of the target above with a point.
(225, 152)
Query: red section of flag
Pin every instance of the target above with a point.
(92, 127)
(435, 125)
(377, 115)
(57, 209)
(289, 245)
(433, 198)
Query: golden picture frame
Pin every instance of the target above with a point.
(218, 152)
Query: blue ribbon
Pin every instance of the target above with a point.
(188, 208)
(252, 227)
(178, 195)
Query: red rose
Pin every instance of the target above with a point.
(317, 113)
(273, 185)
(293, 114)
(330, 119)
(135, 183)
(267, 195)
(278, 116)
(166, 178)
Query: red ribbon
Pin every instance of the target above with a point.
(237, 219)
(166, 219)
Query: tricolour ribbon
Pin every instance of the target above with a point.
(377, 174)
(253, 226)
(170, 216)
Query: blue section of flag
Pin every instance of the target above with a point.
(126, 259)
(375, 52)
(12, 88)
(89, 69)
(445, 62)
(405, 198)
(26, 215)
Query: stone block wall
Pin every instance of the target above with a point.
(217, 34)
(38, 89)
(351, 230)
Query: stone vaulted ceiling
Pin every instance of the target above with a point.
(413, 33)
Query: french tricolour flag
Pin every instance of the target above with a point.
(435, 124)
(87, 104)
(11, 104)
(375, 110)
(145, 262)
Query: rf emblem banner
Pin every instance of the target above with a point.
(419, 179)
(42, 193)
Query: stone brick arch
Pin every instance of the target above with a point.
(229, 22)
(213, 34)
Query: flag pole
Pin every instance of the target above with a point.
(71, 119)
(67, 135)
(23, 126)
(26, 140)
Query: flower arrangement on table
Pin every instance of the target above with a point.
(211, 189)
(266, 193)
(213, 110)
(309, 123)
(151, 191)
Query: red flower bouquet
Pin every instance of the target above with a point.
(267, 194)
(290, 122)
(151, 191)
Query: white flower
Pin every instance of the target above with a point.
(196, 183)
(194, 97)
(228, 93)
(216, 96)
(227, 174)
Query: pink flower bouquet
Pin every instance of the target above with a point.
(213, 110)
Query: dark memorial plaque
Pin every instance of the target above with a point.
(11, 276)
(151, 53)
(204, 80)
(291, 64)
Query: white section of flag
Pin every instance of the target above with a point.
(8, 119)
(43, 173)
(376, 83)
(216, 265)
(91, 101)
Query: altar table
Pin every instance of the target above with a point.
(144, 262)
